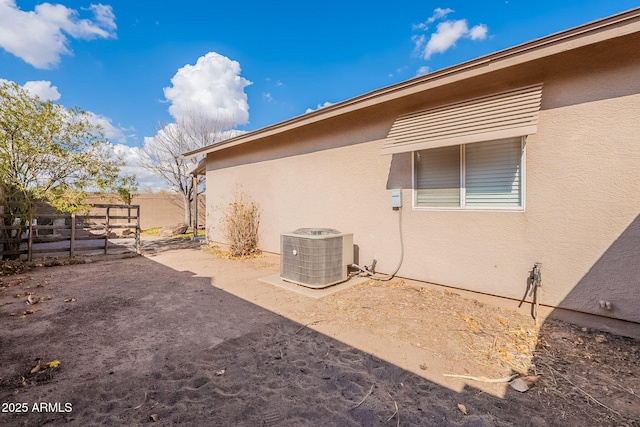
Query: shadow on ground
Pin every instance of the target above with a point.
(139, 341)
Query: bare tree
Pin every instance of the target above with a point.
(163, 154)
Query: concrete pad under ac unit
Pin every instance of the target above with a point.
(275, 280)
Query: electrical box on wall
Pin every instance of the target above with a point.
(396, 198)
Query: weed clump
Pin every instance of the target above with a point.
(240, 223)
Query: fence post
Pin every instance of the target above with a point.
(30, 239)
(106, 231)
(138, 231)
(195, 207)
(73, 235)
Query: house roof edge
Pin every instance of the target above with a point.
(608, 28)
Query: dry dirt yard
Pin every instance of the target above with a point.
(185, 337)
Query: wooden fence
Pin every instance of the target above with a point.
(52, 234)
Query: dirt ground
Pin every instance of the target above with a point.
(181, 336)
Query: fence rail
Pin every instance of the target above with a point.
(47, 233)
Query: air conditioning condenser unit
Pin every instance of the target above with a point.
(315, 257)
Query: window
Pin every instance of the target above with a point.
(482, 175)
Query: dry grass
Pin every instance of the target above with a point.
(156, 233)
(498, 339)
(221, 253)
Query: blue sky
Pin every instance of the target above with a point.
(135, 64)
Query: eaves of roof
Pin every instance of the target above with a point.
(591, 33)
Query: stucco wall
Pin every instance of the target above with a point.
(581, 219)
(156, 210)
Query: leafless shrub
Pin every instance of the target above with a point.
(240, 223)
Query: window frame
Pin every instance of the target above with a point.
(463, 206)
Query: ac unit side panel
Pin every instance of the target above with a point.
(347, 250)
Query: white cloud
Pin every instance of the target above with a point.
(46, 92)
(446, 35)
(326, 104)
(212, 87)
(423, 70)
(104, 15)
(43, 90)
(438, 13)
(398, 71)
(134, 157)
(132, 166)
(479, 32)
(40, 88)
(130, 155)
(48, 27)
(267, 96)
(278, 83)
(112, 132)
(231, 133)
(419, 42)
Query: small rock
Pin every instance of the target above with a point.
(523, 384)
(600, 338)
(173, 230)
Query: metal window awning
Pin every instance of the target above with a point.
(503, 115)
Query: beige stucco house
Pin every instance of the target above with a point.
(527, 155)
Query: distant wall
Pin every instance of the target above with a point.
(157, 210)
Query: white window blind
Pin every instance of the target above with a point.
(479, 175)
(492, 174)
(438, 177)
